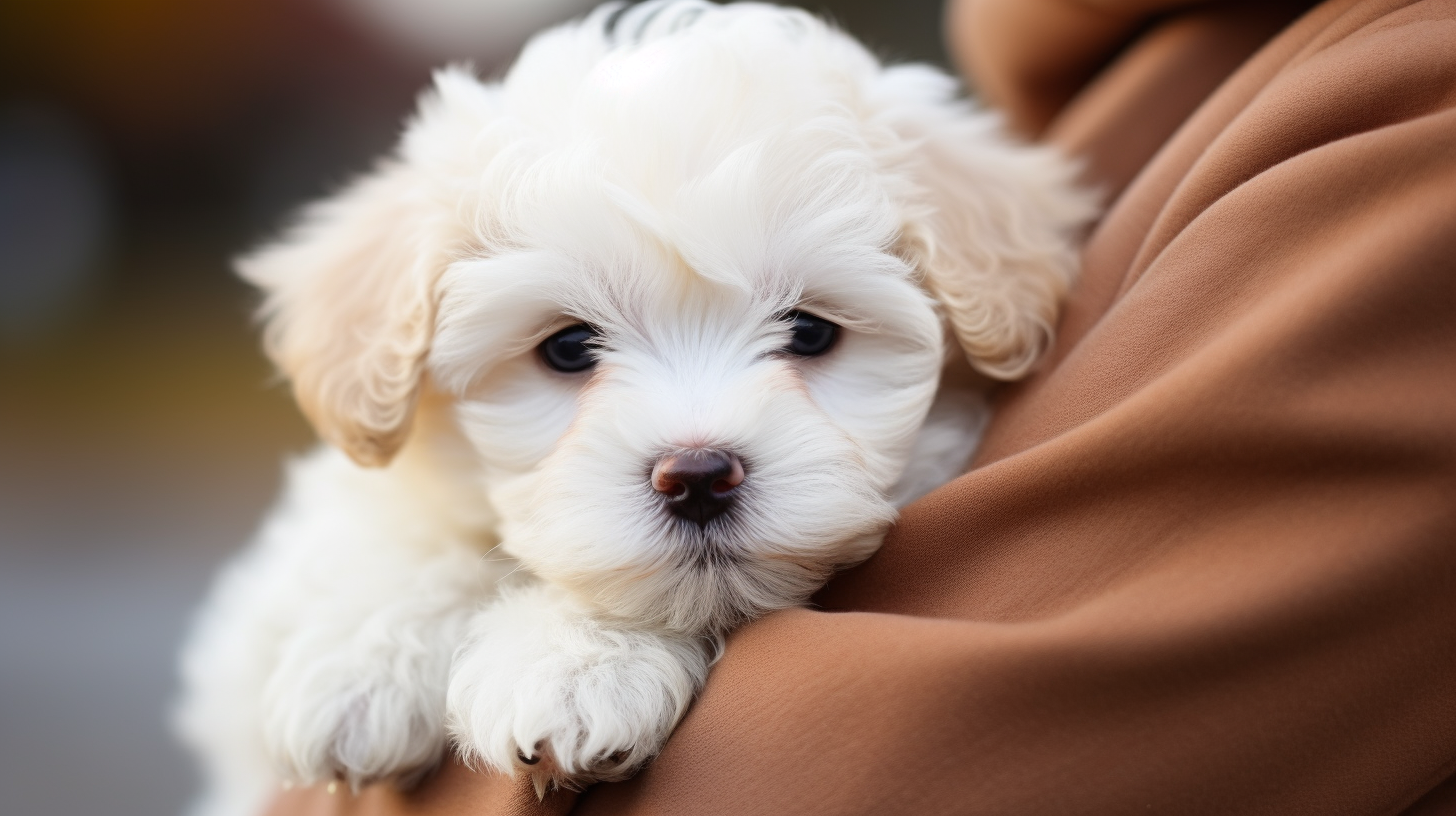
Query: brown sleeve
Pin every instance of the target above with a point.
(1207, 561)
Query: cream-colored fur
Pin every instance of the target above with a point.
(492, 571)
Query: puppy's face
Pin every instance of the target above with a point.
(692, 412)
(686, 297)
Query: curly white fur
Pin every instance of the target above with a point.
(677, 175)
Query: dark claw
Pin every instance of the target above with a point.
(527, 761)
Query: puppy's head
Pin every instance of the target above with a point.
(684, 277)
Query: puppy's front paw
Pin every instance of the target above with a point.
(332, 720)
(565, 699)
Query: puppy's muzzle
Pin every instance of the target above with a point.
(698, 483)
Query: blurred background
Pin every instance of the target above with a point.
(143, 143)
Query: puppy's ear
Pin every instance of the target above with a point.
(992, 224)
(349, 311)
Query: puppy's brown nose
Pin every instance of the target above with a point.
(699, 483)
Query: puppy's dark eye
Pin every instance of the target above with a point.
(567, 350)
(809, 336)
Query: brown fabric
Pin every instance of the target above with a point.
(1207, 561)
(1029, 58)
(1129, 110)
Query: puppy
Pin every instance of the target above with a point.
(638, 343)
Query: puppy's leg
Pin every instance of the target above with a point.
(324, 651)
(542, 686)
(358, 691)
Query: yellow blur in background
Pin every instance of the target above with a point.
(142, 144)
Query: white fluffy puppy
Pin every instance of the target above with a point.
(640, 342)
